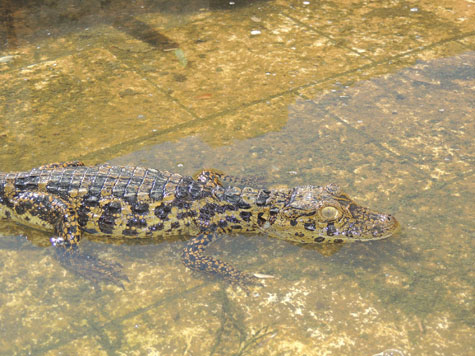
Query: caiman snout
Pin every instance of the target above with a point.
(385, 226)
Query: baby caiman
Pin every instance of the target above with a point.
(72, 199)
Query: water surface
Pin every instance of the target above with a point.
(375, 96)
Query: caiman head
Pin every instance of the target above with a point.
(327, 214)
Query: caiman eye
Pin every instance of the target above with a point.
(329, 213)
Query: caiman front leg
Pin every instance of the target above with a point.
(194, 259)
(51, 211)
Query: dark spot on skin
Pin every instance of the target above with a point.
(211, 209)
(309, 226)
(156, 227)
(44, 209)
(19, 183)
(245, 215)
(232, 219)
(299, 234)
(162, 211)
(90, 200)
(260, 220)
(20, 209)
(52, 187)
(231, 197)
(331, 230)
(136, 222)
(82, 215)
(235, 226)
(293, 222)
(8, 215)
(39, 211)
(175, 225)
(106, 223)
(243, 205)
(181, 204)
(274, 211)
(319, 239)
(113, 207)
(90, 231)
(338, 241)
(26, 183)
(181, 191)
(222, 223)
(230, 207)
(195, 190)
(129, 232)
(208, 211)
(185, 214)
(262, 197)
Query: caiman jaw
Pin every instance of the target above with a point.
(327, 214)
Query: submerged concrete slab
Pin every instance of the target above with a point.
(78, 103)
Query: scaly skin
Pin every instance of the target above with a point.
(134, 202)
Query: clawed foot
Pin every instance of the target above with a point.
(194, 259)
(91, 267)
(245, 281)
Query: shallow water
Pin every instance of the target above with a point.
(375, 96)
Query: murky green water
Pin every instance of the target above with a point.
(375, 96)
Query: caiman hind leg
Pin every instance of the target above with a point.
(87, 266)
(90, 267)
(194, 259)
(37, 208)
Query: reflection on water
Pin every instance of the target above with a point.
(377, 97)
